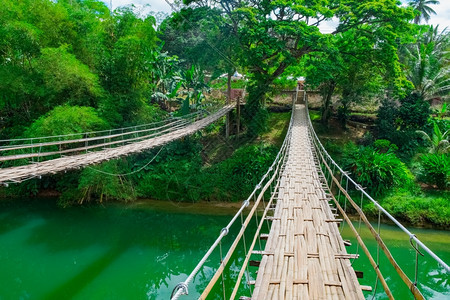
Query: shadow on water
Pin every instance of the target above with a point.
(174, 237)
(74, 285)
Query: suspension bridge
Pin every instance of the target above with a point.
(302, 254)
(74, 151)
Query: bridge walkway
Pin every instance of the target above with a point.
(305, 256)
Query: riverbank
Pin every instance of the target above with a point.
(209, 169)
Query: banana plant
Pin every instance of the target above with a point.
(194, 87)
(167, 79)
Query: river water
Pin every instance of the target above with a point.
(142, 251)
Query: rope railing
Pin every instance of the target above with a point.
(257, 236)
(136, 137)
(264, 184)
(332, 169)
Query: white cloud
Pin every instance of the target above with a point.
(155, 5)
(442, 17)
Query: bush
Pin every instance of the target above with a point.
(416, 209)
(376, 171)
(234, 178)
(366, 140)
(384, 146)
(413, 112)
(258, 122)
(398, 123)
(66, 120)
(435, 169)
(386, 117)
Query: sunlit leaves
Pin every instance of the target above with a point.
(66, 78)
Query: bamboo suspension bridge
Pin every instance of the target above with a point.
(95, 147)
(296, 247)
(303, 255)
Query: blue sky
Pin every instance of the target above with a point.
(442, 17)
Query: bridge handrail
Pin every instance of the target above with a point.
(89, 139)
(172, 119)
(412, 236)
(97, 141)
(133, 139)
(182, 287)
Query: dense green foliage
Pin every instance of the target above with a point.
(417, 209)
(399, 121)
(73, 53)
(71, 66)
(435, 169)
(375, 170)
(63, 120)
(404, 198)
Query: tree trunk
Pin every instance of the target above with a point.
(327, 102)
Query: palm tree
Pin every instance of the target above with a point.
(438, 142)
(427, 62)
(425, 11)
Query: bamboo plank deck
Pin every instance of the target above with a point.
(17, 174)
(305, 256)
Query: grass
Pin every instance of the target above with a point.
(363, 114)
(314, 115)
(428, 207)
(278, 125)
(217, 148)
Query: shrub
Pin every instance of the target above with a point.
(413, 112)
(386, 117)
(102, 183)
(66, 120)
(435, 169)
(376, 171)
(366, 140)
(417, 209)
(234, 178)
(258, 122)
(384, 146)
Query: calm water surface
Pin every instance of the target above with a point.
(143, 251)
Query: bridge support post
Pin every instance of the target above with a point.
(227, 122)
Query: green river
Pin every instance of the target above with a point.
(141, 251)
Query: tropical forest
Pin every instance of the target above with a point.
(130, 135)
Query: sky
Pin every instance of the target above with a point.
(442, 18)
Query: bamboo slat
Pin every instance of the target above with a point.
(305, 257)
